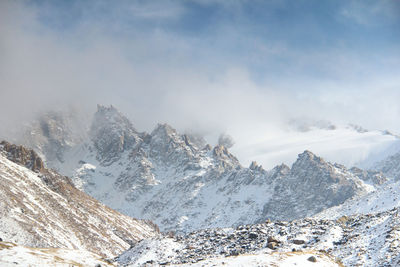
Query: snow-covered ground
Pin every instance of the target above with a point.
(16, 255)
(167, 248)
(361, 240)
(384, 198)
(284, 259)
(343, 144)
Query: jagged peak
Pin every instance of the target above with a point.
(104, 108)
(221, 152)
(255, 167)
(112, 119)
(195, 139)
(164, 132)
(279, 171)
(282, 168)
(110, 113)
(307, 154)
(112, 133)
(308, 159)
(164, 129)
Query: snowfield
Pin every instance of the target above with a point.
(343, 144)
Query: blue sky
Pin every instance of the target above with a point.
(268, 38)
(266, 61)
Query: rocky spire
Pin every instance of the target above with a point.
(112, 133)
(307, 162)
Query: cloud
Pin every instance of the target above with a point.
(368, 13)
(157, 10)
(209, 67)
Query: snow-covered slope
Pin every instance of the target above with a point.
(384, 198)
(364, 240)
(286, 259)
(41, 208)
(348, 145)
(390, 166)
(16, 255)
(172, 180)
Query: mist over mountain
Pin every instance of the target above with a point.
(199, 133)
(163, 74)
(182, 183)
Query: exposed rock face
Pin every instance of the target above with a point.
(23, 156)
(41, 208)
(112, 133)
(361, 240)
(311, 186)
(374, 177)
(390, 166)
(183, 185)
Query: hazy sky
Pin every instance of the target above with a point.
(211, 65)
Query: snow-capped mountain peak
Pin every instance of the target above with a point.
(182, 184)
(112, 133)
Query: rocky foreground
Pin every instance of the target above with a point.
(363, 240)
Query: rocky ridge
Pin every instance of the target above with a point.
(175, 181)
(41, 208)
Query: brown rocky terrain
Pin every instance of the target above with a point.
(41, 208)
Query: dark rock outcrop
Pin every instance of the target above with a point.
(23, 156)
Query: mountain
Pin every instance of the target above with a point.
(361, 240)
(390, 166)
(384, 197)
(181, 184)
(41, 208)
(52, 134)
(346, 144)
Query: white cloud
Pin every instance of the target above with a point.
(157, 10)
(161, 76)
(369, 13)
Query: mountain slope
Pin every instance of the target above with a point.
(390, 166)
(363, 240)
(384, 197)
(172, 180)
(41, 208)
(349, 145)
(12, 254)
(380, 200)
